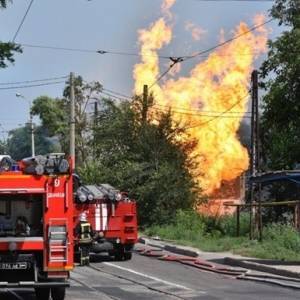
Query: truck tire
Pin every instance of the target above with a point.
(127, 255)
(42, 293)
(119, 252)
(58, 293)
(119, 255)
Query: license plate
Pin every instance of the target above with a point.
(14, 266)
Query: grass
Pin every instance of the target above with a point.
(280, 242)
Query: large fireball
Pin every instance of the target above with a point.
(211, 101)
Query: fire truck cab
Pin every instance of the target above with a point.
(36, 225)
(112, 216)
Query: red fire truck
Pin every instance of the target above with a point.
(112, 216)
(36, 225)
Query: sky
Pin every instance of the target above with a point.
(107, 25)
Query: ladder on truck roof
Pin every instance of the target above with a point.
(58, 240)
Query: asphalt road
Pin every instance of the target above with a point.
(149, 278)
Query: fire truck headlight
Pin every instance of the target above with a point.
(12, 246)
(118, 196)
(118, 241)
(90, 197)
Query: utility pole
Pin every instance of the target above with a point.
(32, 134)
(95, 125)
(145, 104)
(255, 157)
(72, 120)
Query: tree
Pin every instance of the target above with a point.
(7, 49)
(54, 114)
(3, 3)
(3, 147)
(146, 159)
(19, 143)
(280, 77)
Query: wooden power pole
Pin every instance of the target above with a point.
(72, 120)
(255, 158)
(145, 104)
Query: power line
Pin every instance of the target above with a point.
(221, 114)
(113, 96)
(121, 53)
(30, 81)
(22, 21)
(228, 41)
(233, 0)
(184, 111)
(176, 60)
(203, 115)
(95, 51)
(118, 94)
(31, 85)
(198, 110)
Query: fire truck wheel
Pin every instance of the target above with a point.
(58, 293)
(119, 252)
(119, 255)
(127, 255)
(42, 293)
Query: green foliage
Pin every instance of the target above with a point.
(280, 242)
(210, 234)
(3, 147)
(55, 114)
(228, 225)
(19, 143)
(143, 158)
(190, 222)
(7, 49)
(280, 75)
(7, 52)
(3, 3)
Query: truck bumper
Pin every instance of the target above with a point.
(32, 284)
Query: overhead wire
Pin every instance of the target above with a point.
(191, 112)
(22, 21)
(31, 85)
(96, 51)
(220, 115)
(204, 115)
(117, 93)
(228, 41)
(233, 0)
(176, 60)
(31, 81)
(198, 110)
(121, 53)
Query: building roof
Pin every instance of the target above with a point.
(269, 177)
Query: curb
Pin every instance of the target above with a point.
(270, 281)
(173, 249)
(259, 267)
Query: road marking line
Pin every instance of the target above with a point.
(148, 276)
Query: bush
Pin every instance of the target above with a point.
(228, 225)
(280, 242)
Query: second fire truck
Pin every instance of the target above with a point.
(112, 216)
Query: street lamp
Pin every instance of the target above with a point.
(30, 123)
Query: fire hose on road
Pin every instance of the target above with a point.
(190, 261)
(201, 264)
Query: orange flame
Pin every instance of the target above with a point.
(216, 87)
